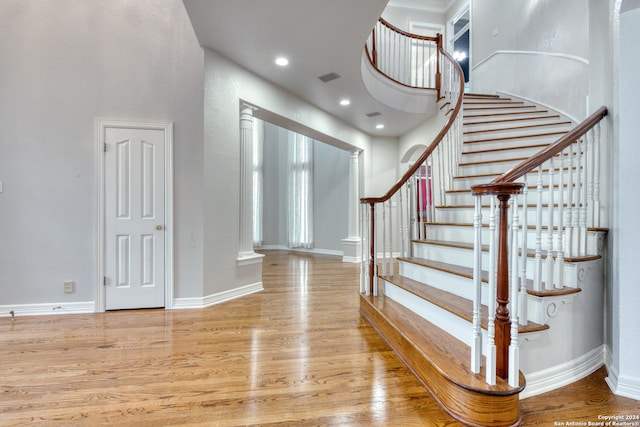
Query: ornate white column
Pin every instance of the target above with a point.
(246, 255)
(351, 246)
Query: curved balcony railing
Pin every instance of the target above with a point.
(407, 59)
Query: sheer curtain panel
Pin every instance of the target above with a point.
(300, 191)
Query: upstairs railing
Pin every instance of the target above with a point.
(566, 178)
(410, 203)
(407, 59)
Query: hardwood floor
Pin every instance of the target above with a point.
(296, 354)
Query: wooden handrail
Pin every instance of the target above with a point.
(553, 149)
(414, 168)
(406, 34)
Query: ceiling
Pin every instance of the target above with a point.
(318, 37)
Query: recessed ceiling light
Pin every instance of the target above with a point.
(345, 102)
(282, 61)
(379, 126)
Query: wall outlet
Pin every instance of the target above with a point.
(69, 287)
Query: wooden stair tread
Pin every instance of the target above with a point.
(448, 354)
(452, 303)
(442, 364)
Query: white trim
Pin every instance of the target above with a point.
(167, 127)
(250, 259)
(220, 297)
(621, 385)
(311, 251)
(539, 104)
(43, 309)
(564, 373)
(531, 52)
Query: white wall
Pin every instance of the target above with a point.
(624, 373)
(226, 86)
(63, 64)
(535, 49)
(402, 17)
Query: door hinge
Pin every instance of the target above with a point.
(104, 281)
(104, 147)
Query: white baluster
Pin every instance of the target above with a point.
(537, 272)
(522, 294)
(391, 268)
(513, 297)
(366, 248)
(560, 251)
(384, 239)
(549, 282)
(403, 234)
(476, 346)
(375, 255)
(514, 350)
(589, 161)
(491, 297)
(583, 199)
(571, 205)
(596, 176)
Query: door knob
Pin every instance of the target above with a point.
(159, 227)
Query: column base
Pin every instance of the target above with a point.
(351, 249)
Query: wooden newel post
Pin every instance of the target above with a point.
(438, 71)
(502, 321)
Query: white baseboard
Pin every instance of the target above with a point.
(209, 300)
(318, 251)
(564, 373)
(622, 385)
(82, 307)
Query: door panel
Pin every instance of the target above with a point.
(134, 218)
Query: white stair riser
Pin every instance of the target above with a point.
(454, 325)
(466, 198)
(465, 183)
(496, 110)
(465, 215)
(465, 234)
(496, 124)
(486, 168)
(443, 280)
(514, 133)
(481, 144)
(489, 156)
(465, 258)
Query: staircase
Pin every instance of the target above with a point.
(425, 310)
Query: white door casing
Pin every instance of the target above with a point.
(135, 215)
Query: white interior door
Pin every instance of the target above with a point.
(134, 217)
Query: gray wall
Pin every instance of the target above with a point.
(63, 64)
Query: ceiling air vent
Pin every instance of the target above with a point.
(328, 77)
(374, 114)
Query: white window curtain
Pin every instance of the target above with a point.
(300, 192)
(258, 142)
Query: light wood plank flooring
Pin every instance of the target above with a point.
(296, 354)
